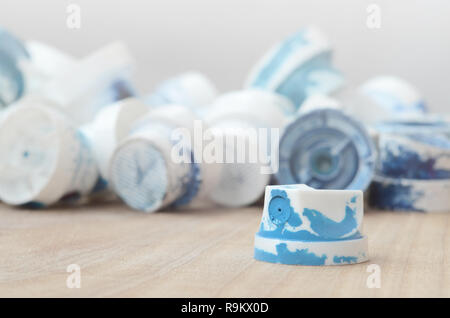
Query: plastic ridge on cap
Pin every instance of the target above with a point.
(143, 171)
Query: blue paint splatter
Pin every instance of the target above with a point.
(33, 205)
(122, 89)
(394, 103)
(410, 165)
(345, 259)
(100, 185)
(191, 186)
(327, 228)
(298, 84)
(394, 197)
(10, 73)
(441, 141)
(71, 198)
(288, 47)
(281, 213)
(284, 256)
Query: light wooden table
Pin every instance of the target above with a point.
(206, 253)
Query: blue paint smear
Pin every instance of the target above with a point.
(10, 73)
(83, 155)
(298, 84)
(394, 197)
(191, 185)
(284, 256)
(100, 185)
(421, 106)
(414, 127)
(168, 92)
(71, 198)
(33, 205)
(345, 259)
(289, 46)
(394, 104)
(410, 165)
(326, 227)
(437, 140)
(12, 46)
(12, 51)
(122, 89)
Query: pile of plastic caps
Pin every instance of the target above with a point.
(73, 131)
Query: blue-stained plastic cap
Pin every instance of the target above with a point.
(304, 226)
(143, 170)
(414, 149)
(326, 149)
(298, 67)
(317, 76)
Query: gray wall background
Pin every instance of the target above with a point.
(223, 38)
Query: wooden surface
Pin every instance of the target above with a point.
(206, 253)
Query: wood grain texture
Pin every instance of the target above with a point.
(206, 253)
